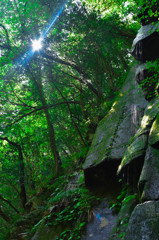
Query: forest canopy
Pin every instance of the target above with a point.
(52, 99)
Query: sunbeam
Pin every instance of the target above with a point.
(45, 32)
(21, 63)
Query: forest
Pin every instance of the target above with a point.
(63, 65)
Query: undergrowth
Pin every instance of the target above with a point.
(68, 206)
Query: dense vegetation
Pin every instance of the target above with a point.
(52, 100)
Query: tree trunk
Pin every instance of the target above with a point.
(51, 131)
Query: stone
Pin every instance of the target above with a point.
(113, 132)
(143, 223)
(149, 178)
(154, 133)
(137, 147)
(48, 232)
(135, 151)
(145, 45)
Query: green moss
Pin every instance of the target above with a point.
(107, 130)
(138, 143)
(154, 132)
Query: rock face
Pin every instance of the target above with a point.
(144, 147)
(115, 130)
(145, 45)
(128, 139)
(144, 222)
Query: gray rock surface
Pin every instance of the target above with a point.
(143, 224)
(154, 133)
(145, 45)
(114, 131)
(146, 31)
(149, 179)
(138, 145)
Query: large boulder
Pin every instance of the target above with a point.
(143, 223)
(119, 125)
(149, 178)
(154, 133)
(138, 145)
(145, 45)
(114, 131)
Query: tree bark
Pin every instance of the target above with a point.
(51, 131)
(69, 110)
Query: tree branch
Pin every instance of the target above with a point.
(42, 108)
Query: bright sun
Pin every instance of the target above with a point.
(37, 44)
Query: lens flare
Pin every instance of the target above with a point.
(37, 44)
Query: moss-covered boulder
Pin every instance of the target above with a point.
(137, 147)
(145, 45)
(154, 133)
(119, 125)
(143, 223)
(149, 179)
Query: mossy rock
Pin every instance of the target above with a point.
(145, 45)
(149, 178)
(146, 31)
(134, 151)
(154, 133)
(138, 145)
(114, 131)
(143, 223)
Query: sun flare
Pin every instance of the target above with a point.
(37, 44)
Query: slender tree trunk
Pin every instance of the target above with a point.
(73, 121)
(51, 131)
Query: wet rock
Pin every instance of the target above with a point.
(114, 131)
(149, 179)
(143, 223)
(154, 133)
(145, 45)
(148, 80)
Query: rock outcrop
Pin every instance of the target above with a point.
(144, 147)
(128, 138)
(114, 131)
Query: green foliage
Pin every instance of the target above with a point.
(150, 84)
(123, 199)
(59, 98)
(70, 209)
(148, 11)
